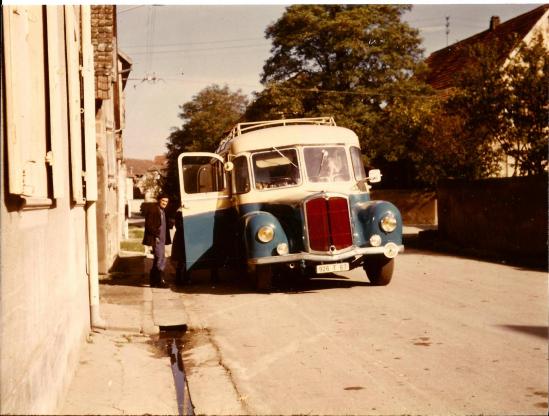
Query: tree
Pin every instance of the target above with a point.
(206, 118)
(503, 109)
(352, 62)
(527, 135)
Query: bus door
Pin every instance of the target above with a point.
(206, 208)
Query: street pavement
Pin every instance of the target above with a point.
(127, 368)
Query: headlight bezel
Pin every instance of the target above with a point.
(388, 223)
(265, 233)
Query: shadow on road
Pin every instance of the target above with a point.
(128, 271)
(430, 240)
(233, 283)
(537, 331)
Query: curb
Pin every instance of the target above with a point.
(147, 326)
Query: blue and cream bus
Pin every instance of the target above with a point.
(286, 194)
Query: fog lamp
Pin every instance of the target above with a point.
(265, 234)
(388, 222)
(282, 249)
(375, 240)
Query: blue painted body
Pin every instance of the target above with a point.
(210, 238)
(365, 216)
(214, 239)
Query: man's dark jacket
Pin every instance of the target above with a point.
(152, 226)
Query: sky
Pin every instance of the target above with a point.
(177, 50)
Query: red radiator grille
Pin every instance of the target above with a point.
(328, 223)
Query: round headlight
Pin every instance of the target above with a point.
(388, 222)
(265, 234)
(282, 249)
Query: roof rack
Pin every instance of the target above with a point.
(242, 128)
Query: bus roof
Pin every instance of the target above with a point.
(287, 135)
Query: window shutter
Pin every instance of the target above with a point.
(57, 103)
(89, 105)
(75, 126)
(25, 101)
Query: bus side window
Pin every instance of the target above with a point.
(241, 175)
(202, 174)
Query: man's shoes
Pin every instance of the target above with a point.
(162, 285)
(156, 279)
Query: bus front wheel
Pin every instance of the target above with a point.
(379, 269)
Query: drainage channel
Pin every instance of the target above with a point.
(171, 342)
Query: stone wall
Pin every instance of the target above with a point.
(104, 43)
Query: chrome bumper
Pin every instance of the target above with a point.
(390, 250)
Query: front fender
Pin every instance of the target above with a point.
(367, 216)
(252, 222)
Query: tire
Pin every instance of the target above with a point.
(263, 277)
(379, 269)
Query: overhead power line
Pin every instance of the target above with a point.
(199, 50)
(193, 43)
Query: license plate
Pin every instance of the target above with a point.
(331, 268)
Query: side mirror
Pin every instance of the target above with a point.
(374, 176)
(228, 166)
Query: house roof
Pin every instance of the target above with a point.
(138, 167)
(446, 63)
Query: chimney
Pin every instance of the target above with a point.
(494, 22)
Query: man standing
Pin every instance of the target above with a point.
(157, 235)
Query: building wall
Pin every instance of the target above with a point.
(49, 149)
(108, 172)
(44, 305)
(43, 274)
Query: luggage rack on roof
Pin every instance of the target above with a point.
(241, 128)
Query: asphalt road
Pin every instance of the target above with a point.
(449, 335)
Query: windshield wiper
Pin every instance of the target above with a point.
(324, 155)
(285, 157)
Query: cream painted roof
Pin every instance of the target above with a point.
(292, 135)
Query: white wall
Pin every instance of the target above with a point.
(44, 300)
(44, 305)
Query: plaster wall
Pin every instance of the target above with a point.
(44, 303)
(108, 213)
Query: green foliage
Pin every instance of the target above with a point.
(527, 104)
(496, 110)
(352, 62)
(206, 118)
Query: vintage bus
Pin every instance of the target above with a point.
(288, 194)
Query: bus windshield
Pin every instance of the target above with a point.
(276, 168)
(326, 164)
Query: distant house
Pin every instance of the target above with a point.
(446, 65)
(145, 175)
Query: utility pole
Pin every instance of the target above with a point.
(447, 28)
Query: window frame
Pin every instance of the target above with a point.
(331, 145)
(360, 166)
(234, 174)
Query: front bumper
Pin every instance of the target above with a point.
(390, 250)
